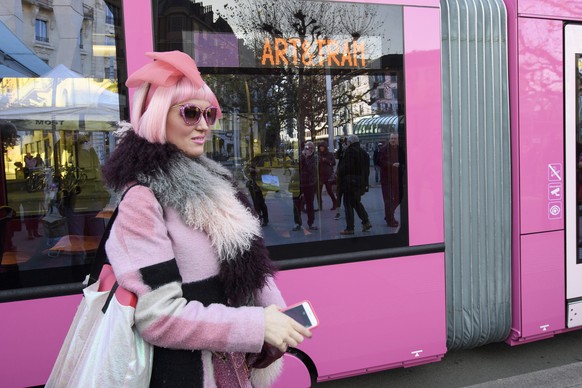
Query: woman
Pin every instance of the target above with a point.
(185, 240)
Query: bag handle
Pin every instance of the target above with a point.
(109, 297)
(101, 255)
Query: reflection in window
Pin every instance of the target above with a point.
(56, 130)
(40, 31)
(109, 16)
(81, 39)
(290, 74)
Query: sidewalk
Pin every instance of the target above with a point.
(558, 377)
(551, 363)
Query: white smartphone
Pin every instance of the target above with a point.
(303, 313)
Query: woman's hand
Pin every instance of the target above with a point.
(281, 330)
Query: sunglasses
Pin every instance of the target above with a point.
(192, 113)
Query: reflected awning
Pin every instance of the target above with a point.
(61, 99)
(378, 124)
(23, 61)
(6, 71)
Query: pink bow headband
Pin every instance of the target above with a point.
(166, 70)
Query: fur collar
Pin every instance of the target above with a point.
(202, 192)
(207, 198)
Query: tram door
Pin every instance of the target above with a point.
(573, 162)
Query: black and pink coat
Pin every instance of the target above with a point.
(186, 243)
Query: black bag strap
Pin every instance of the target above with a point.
(109, 297)
(101, 255)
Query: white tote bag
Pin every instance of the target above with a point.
(102, 349)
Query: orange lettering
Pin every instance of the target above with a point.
(333, 50)
(267, 53)
(306, 57)
(294, 43)
(323, 52)
(280, 51)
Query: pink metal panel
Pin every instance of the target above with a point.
(560, 9)
(138, 35)
(541, 123)
(424, 124)
(373, 314)
(543, 288)
(515, 160)
(31, 334)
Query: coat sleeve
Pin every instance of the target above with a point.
(269, 295)
(142, 258)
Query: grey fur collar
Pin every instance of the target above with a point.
(202, 192)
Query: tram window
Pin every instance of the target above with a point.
(285, 72)
(58, 108)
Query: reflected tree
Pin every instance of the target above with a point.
(299, 40)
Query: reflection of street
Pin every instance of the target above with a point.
(92, 198)
(28, 249)
(280, 205)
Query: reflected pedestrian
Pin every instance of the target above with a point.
(354, 172)
(308, 182)
(326, 163)
(257, 197)
(391, 158)
(339, 153)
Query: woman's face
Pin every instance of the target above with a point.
(188, 138)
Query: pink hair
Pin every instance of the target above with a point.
(149, 112)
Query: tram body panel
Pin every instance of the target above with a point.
(541, 124)
(536, 87)
(513, 72)
(373, 314)
(550, 8)
(33, 331)
(137, 21)
(542, 280)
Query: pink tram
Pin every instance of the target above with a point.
(475, 235)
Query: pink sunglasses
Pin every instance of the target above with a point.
(193, 113)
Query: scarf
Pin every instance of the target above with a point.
(207, 198)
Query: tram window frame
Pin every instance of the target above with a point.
(336, 244)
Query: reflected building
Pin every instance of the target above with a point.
(79, 35)
(59, 71)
